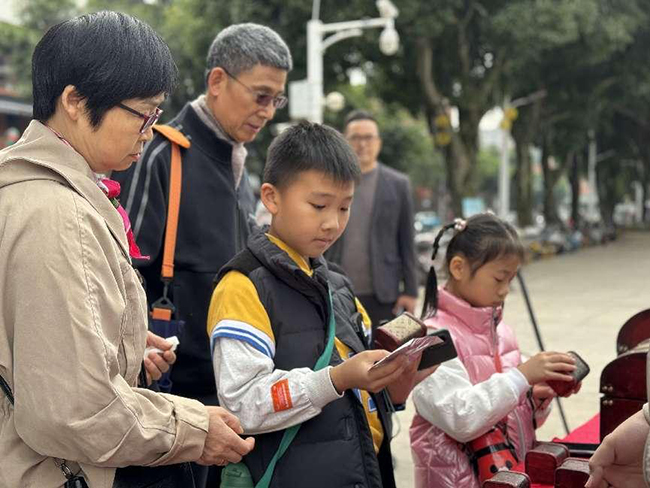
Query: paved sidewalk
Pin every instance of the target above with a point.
(580, 300)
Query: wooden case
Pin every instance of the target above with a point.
(562, 388)
(573, 473)
(615, 411)
(633, 332)
(401, 329)
(623, 382)
(508, 479)
(542, 461)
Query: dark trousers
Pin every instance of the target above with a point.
(379, 312)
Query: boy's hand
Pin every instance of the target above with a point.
(223, 444)
(401, 388)
(355, 372)
(547, 366)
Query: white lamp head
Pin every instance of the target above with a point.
(389, 40)
(335, 101)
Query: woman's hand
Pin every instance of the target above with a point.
(618, 462)
(223, 444)
(157, 364)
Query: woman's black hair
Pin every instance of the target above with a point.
(108, 56)
(484, 239)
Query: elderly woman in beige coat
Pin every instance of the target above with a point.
(623, 458)
(73, 317)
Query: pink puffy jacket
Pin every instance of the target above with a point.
(439, 460)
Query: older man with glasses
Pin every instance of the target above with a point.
(246, 73)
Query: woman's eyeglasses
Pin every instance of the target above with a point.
(148, 120)
(262, 99)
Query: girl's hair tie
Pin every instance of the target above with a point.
(460, 225)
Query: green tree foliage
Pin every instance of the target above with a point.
(567, 51)
(587, 56)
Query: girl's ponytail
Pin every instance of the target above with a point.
(431, 292)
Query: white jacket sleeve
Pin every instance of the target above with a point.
(448, 400)
(247, 378)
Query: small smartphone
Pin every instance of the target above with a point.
(438, 353)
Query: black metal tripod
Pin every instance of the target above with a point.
(539, 341)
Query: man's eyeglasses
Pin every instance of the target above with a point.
(262, 99)
(359, 139)
(148, 120)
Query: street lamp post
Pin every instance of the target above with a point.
(509, 115)
(306, 96)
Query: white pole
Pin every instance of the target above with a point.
(315, 68)
(504, 174)
(593, 150)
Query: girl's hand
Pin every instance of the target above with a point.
(546, 366)
(543, 395)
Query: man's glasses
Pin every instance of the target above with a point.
(262, 99)
(359, 139)
(148, 120)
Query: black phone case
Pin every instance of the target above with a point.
(438, 353)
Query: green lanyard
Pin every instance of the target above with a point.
(291, 432)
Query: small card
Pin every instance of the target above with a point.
(409, 349)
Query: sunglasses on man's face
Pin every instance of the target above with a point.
(147, 120)
(262, 99)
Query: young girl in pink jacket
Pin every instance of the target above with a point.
(488, 386)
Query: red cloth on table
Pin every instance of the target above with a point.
(587, 433)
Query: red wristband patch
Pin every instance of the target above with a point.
(281, 396)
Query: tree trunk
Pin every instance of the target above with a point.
(461, 153)
(524, 130)
(645, 180)
(550, 179)
(574, 179)
(524, 185)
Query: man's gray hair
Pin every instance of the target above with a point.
(241, 47)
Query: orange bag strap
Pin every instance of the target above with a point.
(163, 308)
(173, 207)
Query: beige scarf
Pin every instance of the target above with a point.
(239, 152)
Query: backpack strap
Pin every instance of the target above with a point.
(163, 308)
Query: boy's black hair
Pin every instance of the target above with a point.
(485, 238)
(108, 56)
(307, 146)
(358, 115)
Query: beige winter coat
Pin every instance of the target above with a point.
(73, 322)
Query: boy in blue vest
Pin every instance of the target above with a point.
(268, 323)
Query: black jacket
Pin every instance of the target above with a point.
(335, 448)
(214, 224)
(391, 246)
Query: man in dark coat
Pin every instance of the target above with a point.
(377, 249)
(247, 68)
